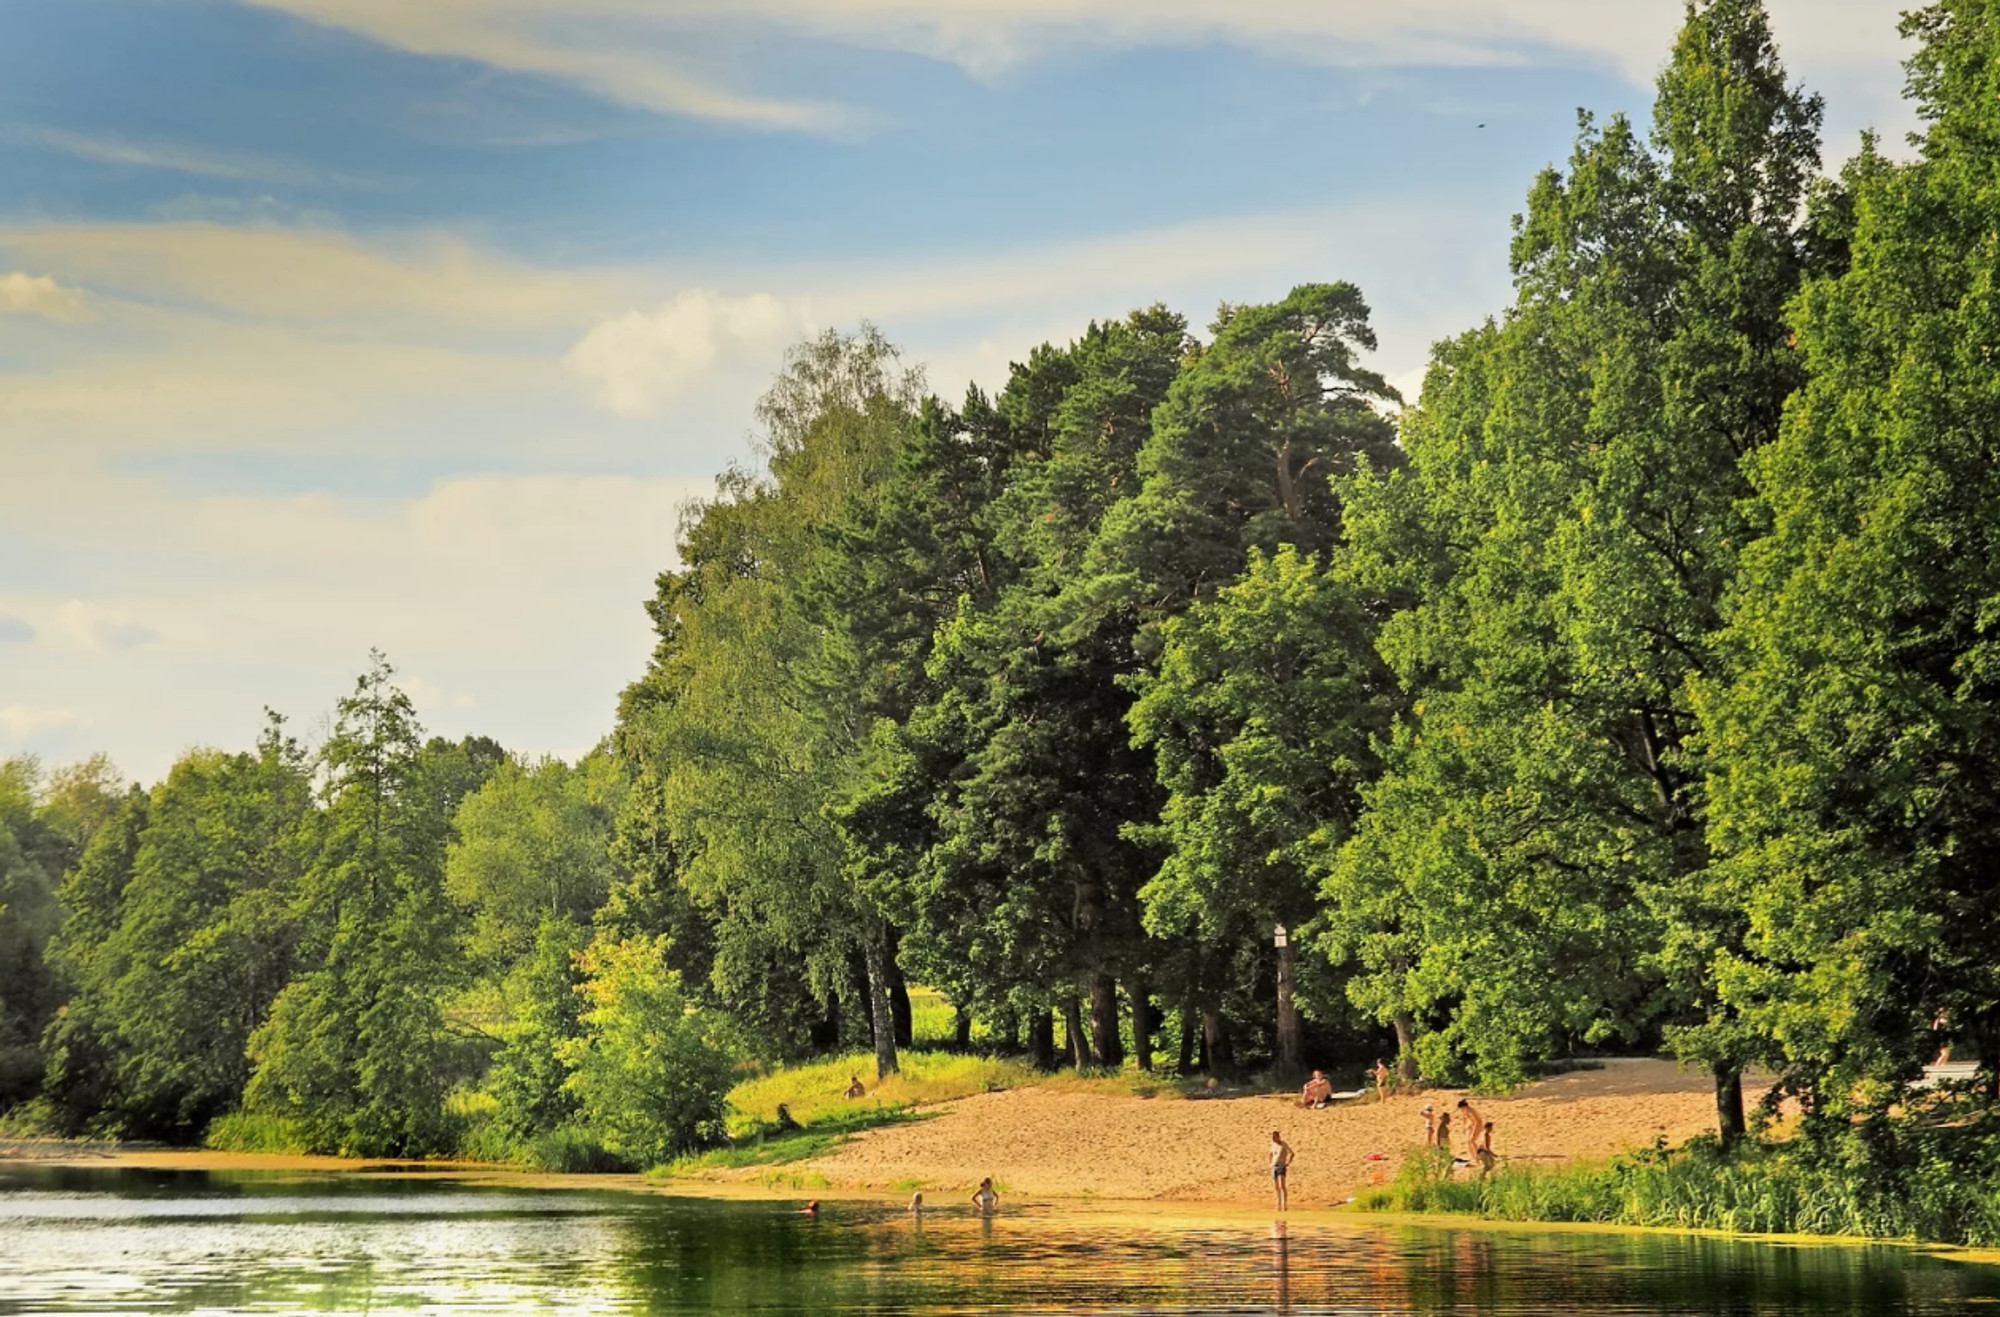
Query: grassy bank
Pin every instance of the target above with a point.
(818, 1115)
(1771, 1189)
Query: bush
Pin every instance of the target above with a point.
(1887, 1179)
(650, 1073)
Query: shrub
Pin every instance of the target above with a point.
(650, 1073)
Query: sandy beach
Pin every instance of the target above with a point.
(1056, 1144)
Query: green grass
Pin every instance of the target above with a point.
(1760, 1190)
(931, 1017)
(814, 1093)
(256, 1131)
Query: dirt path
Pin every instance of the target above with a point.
(1043, 1142)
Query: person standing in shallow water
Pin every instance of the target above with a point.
(985, 1198)
(1281, 1162)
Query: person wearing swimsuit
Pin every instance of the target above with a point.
(1281, 1161)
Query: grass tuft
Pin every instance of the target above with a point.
(257, 1131)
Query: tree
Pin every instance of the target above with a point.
(1856, 729)
(1263, 711)
(1028, 888)
(1570, 522)
(746, 741)
(533, 844)
(649, 1072)
(356, 1048)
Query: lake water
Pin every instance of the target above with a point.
(105, 1241)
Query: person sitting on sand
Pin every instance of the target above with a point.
(854, 1087)
(1430, 1126)
(1317, 1092)
(1281, 1161)
(985, 1198)
(1474, 1125)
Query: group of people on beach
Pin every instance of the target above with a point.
(1478, 1134)
(1438, 1133)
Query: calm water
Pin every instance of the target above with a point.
(129, 1241)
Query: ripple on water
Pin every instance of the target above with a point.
(106, 1242)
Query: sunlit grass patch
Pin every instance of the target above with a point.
(932, 1018)
(816, 1091)
(257, 1131)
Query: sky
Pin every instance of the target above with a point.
(334, 325)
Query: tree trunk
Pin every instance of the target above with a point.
(1291, 1050)
(881, 1019)
(1729, 1105)
(1187, 1040)
(1215, 1042)
(961, 1028)
(823, 1034)
(1010, 1030)
(1042, 1039)
(1143, 1024)
(1406, 1052)
(1079, 1050)
(899, 1004)
(1108, 1045)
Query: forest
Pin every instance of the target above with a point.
(1636, 688)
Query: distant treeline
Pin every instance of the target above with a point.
(1637, 686)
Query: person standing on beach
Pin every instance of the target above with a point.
(1430, 1126)
(1482, 1150)
(1475, 1126)
(985, 1198)
(1442, 1137)
(1281, 1161)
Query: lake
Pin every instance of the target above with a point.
(114, 1241)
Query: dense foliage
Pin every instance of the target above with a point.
(1633, 687)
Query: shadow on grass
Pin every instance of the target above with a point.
(775, 1145)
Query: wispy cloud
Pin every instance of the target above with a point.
(627, 52)
(643, 52)
(40, 295)
(14, 631)
(18, 721)
(184, 158)
(86, 627)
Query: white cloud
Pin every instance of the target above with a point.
(40, 295)
(640, 51)
(589, 44)
(512, 605)
(181, 158)
(315, 274)
(82, 626)
(19, 721)
(637, 362)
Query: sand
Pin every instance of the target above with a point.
(1054, 1144)
(1048, 1143)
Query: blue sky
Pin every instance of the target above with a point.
(330, 324)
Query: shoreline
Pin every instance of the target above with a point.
(1099, 1210)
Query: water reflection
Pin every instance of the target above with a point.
(99, 1241)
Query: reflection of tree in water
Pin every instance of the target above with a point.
(358, 1244)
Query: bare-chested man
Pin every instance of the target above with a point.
(1281, 1161)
